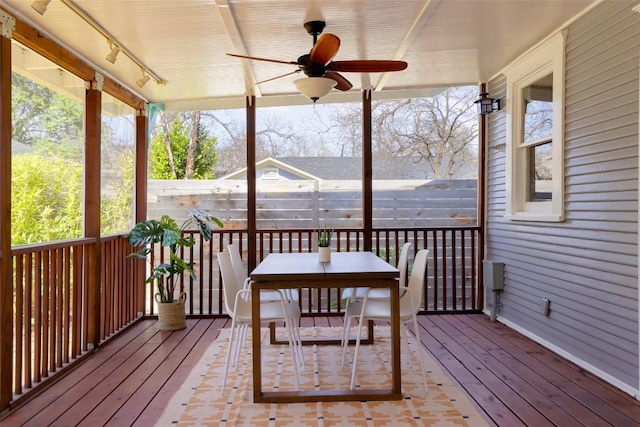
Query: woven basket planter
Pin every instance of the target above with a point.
(171, 314)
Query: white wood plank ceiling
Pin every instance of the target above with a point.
(184, 42)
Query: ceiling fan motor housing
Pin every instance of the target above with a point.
(310, 68)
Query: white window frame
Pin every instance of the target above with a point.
(545, 59)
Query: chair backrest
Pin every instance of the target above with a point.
(417, 278)
(403, 260)
(230, 285)
(236, 262)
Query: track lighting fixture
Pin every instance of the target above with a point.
(116, 47)
(143, 80)
(40, 6)
(113, 55)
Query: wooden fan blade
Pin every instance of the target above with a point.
(325, 49)
(342, 83)
(278, 77)
(263, 59)
(367, 66)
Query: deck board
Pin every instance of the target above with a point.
(513, 380)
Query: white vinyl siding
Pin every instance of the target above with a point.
(587, 265)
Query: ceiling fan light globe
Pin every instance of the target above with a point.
(314, 88)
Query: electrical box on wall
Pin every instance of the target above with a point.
(493, 275)
(546, 306)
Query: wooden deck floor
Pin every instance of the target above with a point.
(513, 380)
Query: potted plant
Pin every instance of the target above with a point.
(167, 232)
(323, 239)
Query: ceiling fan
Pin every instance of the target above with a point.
(324, 73)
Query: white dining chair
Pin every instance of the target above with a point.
(290, 295)
(243, 278)
(380, 310)
(238, 305)
(357, 294)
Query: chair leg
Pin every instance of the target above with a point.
(419, 342)
(240, 342)
(298, 337)
(293, 352)
(345, 339)
(405, 341)
(355, 353)
(345, 322)
(228, 358)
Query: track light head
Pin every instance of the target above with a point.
(143, 80)
(40, 6)
(113, 55)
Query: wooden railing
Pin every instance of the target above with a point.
(53, 312)
(52, 309)
(452, 282)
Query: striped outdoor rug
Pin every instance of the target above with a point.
(199, 402)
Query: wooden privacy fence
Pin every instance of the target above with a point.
(299, 204)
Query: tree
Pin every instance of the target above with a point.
(181, 151)
(47, 180)
(39, 114)
(441, 130)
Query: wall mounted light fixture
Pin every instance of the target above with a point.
(487, 105)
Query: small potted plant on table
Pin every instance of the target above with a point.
(323, 239)
(167, 232)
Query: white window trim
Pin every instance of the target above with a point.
(546, 58)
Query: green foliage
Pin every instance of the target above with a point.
(117, 210)
(47, 182)
(46, 198)
(167, 233)
(179, 136)
(47, 203)
(39, 114)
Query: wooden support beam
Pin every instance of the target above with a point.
(41, 44)
(6, 265)
(367, 172)
(142, 153)
(482, 190)
(93, 105)
(251, 181)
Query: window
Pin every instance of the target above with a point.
(535, 146)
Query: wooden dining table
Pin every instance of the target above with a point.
(345, 270)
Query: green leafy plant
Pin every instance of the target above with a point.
(167, 232)
(323, 236)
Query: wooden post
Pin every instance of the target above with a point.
(482, 185)
(142, 153)
(251, 182)
(93, 105)
(367, 173)
(6, 265)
